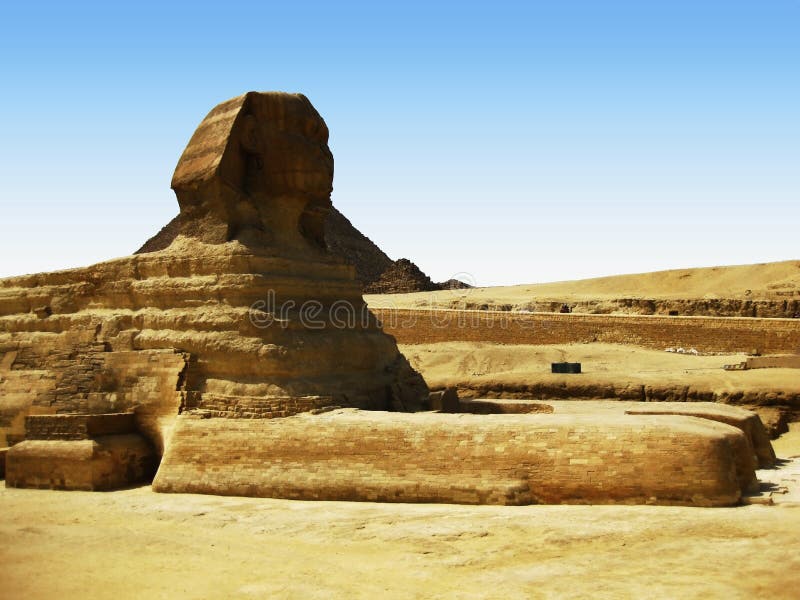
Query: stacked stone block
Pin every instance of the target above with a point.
(470, 459)
(80, 452)
(707, 334)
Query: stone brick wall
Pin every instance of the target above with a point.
(256, 407)
(148, 383)
(718, 307)
(71, 373)
(471, 459)
(773, 362)
(77, 427)
(101, 463)
(706, 334)
(57, 427)
(18, 391)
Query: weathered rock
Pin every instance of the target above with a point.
(446, 401)
(244, 317)
(374, 269)
(489, 406)
(776, 419)
(345, 240)
(244, 303)
(81, 452)
(469, 459)
(403, 276)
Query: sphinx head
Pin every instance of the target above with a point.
(258, 169)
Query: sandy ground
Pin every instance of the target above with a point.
(138, 544)
(469, 363)
(768, 281)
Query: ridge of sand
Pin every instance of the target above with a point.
(763, 281)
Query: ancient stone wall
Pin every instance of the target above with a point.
(80, 452)
(256, 407)
(101, 463)
(471, 459)
(149, 383)
(706, 334)
(77, 427)
(718, 307)
(59, 374)
(773, 362)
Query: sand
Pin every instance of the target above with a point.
(138, 544)
(485, 364)
(767, 281)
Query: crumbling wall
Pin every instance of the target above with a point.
(102, 463)
(149, 384)
(71, 373)
(773, 362)
(80, 452)
(708, 334)
(77, 427)
(256, 407)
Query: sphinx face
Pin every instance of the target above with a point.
(294, 146)
(258, 169)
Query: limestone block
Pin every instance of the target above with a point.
(446, 401)
(103, 463)
(748, 421)
(712, 334)
(494, 406)
(471, 459)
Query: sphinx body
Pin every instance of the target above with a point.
(243, 314)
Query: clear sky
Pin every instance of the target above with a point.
(515, 141)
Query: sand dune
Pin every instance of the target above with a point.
(776, 281)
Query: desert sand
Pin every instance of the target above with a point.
(621, 368)
(767, 281)
(138, 544)
(452, 362)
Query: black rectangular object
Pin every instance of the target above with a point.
(565, 367)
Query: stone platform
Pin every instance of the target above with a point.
(463, 458)
(747, 421)
(80, 452)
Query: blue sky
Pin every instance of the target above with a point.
(515, 141)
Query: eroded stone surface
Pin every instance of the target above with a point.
(102, 463)
(749, 422)
(245, 308)
(89, 452)
(246, 327)
(466, 459)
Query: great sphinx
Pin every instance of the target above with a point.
(237, 356)
(212, 324)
